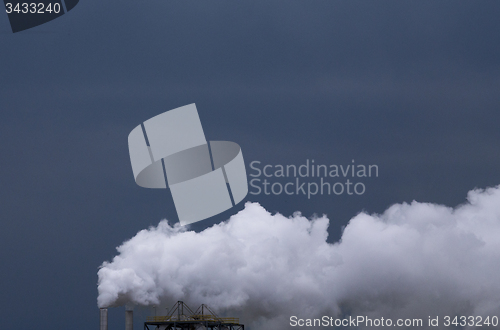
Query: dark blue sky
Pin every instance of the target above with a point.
(410, 86)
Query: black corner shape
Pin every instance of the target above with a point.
(25, 14)
(70, 4)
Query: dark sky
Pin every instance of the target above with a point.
(410, 86)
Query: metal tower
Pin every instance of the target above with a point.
(181, 317)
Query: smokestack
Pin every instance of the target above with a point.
(129, 319)
(104, 318)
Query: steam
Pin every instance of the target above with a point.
(413, 261)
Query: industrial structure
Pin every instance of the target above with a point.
(103, 312)
(181, 317)
(129, 318)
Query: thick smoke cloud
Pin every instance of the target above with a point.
(413, 261)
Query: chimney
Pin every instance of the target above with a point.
(104, 318)
(129, 319)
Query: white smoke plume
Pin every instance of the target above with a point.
(413, 261)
